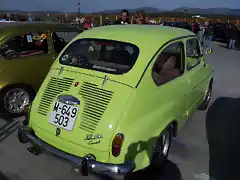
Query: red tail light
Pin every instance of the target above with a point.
(117, 144)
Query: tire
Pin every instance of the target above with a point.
(161, 149)
(19, 95)
(207, 99)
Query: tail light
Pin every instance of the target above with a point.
(117, 144)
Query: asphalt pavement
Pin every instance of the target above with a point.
(208, 145)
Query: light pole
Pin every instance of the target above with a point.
(78, 5)
(185, 14)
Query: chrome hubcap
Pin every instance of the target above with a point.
(162, 145)
(165, 143)
(209, 94)
(15, 100)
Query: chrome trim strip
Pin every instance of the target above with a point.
(93, 165)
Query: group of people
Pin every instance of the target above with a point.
(140, 18)
(18, 17)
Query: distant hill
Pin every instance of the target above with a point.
(213, 11)
(117, 11)
(223, 11)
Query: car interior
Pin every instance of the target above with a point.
(19, 46)
(168, 66)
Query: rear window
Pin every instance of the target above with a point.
(109, 56)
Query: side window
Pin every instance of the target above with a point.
(61, 39)
(30, 44)
(193, 52)
(169, 63)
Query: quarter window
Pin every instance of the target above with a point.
(61, 39)
(193, 52)
(30, 44)
(169, 64)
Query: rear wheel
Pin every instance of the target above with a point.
(161, 147)
(13, 99)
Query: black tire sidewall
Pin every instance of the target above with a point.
(4, 112)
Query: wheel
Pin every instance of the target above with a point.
(13, 99)
(161, 147)
(207, 99)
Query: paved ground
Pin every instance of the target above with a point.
(189, 158)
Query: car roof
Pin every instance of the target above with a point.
(140, 35)
(21, 27)
(149, 39)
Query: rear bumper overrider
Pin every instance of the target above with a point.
(85, 164)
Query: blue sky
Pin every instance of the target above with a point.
(98, 5)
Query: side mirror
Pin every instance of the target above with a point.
(208, 51)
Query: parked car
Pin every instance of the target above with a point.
(27, 51)
(112, 104)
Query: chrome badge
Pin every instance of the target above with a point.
(93, 138)
(58, 131)
(68, 99)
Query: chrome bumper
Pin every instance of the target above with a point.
(85, 164)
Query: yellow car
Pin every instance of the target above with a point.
(112, 101)
(27, 51)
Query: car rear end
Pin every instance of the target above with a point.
(76, 112)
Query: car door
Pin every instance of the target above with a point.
(169, 95)
(27, 58)
(195, 67)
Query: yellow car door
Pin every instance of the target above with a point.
(197, 72)
(27, 64)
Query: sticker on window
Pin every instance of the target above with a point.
(43, 36)
(37, 37)
(65, 57)
(29, 38)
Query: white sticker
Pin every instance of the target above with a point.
(65, 57)
(29, 38)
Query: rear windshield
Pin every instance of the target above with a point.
(109, 56)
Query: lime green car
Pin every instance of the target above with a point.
(27, 51)
(116, 95)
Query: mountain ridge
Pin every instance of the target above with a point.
(214, 11)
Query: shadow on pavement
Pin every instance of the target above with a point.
(3, 177)
(7, 129)
(223, 133)
(169, 172)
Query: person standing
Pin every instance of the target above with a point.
(140, 17)
(232, 34)
(124, 19)
(29, 17)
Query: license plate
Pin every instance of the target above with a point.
(63, 116)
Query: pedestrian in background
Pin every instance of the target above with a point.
(208, 34)
(233, 35)
(124, 19)
(140, 17)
